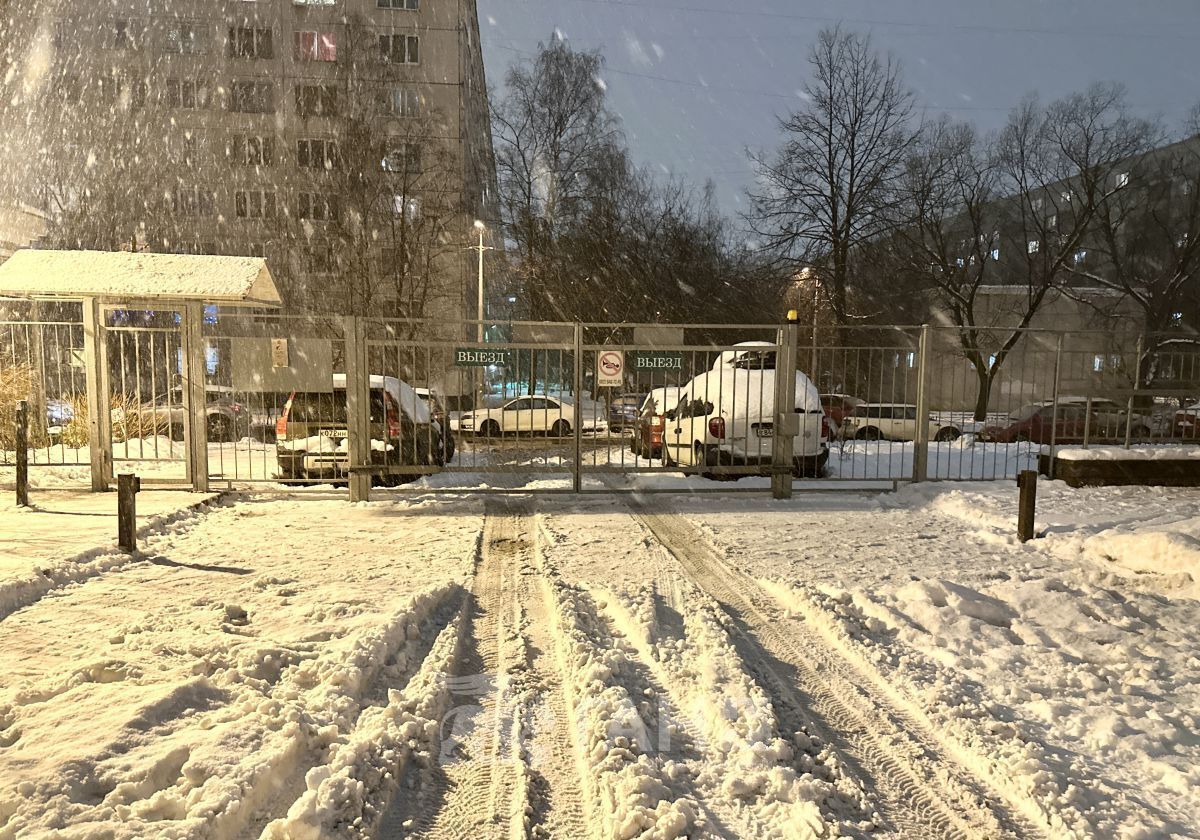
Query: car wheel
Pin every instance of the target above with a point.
(176, 432)
(869, 433)
(947, 434)
(561, 428)
(220, 430)
(1140, 433)
(1022, 437)
(635, 446)
(490, 428)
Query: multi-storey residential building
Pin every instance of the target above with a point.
(347, 141)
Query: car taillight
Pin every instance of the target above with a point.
(716, 427)
(826, 431)
(393, 423)
(281, 428)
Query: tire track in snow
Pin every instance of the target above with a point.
(507, 765)
(921, 791)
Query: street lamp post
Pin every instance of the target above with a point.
(480, 248)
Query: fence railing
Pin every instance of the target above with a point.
(424, 406)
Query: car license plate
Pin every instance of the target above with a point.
(765, 431)
(332, 433)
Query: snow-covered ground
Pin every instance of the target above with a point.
(840, 664)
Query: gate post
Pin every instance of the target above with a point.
(358, 409)
(577, 385)
(196, 426)
(786, 421)
(920, 467)
(95, 369)
(22, 446)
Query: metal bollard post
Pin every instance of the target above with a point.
(1027, 504)
(128, 486)
(22, 445)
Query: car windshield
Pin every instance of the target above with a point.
(1024, 412)
(329, 407)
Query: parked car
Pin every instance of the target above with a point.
(227, 418)
(1038, 423)
(726, 417)
(623, 411)
(892, 421)
(529, 414)
(648, 434)
(439, 416)
(1186, 423)
(311, 435)
(837, 407)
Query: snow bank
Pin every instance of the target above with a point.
(344, 797)
(633, 799)
(1039, 686)
(1120, 453)
(781, 781)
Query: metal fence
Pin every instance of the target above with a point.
(552, 407)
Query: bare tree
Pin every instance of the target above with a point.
(828, 188)
(553, 134)
(1013, 212)
(1144, 242)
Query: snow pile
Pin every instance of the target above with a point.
(22, 590)
(1059, 694)
(344, 797)
(632, 798)
(781, 782)
(1171, 556)
(1120, 453)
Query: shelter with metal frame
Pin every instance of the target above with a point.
(105, 281)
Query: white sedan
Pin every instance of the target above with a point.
(532, 414)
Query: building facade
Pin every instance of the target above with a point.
(347, 141)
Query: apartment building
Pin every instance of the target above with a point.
(347, 141)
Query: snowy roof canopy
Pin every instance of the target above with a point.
(232, 281)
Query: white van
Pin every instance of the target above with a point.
(726, 417)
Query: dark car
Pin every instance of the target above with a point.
(312, 434)
(1038, 423)
(438, 413)
(838, 407)
(648, 435)
(623, 411)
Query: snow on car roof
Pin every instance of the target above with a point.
(126, 276)
(403, 393)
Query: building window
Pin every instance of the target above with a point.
(1080, 256)
(252, 150)
(114, 90)
(409, 208)
(187, 93)
(185, 40)
(402, 102)
(1034, 246)
(123, 35)
(252, 97)
(1036, 204)
(316, 46)
(316, 207)
(995, 254)
(316, 100)
(192, 201)
(400, 49)
(316, 154)
(1052, 221)
(1066, 196)
(1122, 179)
(960, 262)
(403, 157)
(254, 204)
(409, 5)
(245, 42)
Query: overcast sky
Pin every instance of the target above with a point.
(696, 82)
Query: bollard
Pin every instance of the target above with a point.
(1027, 504)
(22, 445)
(128, 486)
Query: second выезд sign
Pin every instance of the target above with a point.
(655, 360)
(476, 357)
